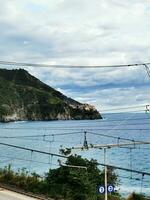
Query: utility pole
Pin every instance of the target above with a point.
(106, 195)
(87, 146)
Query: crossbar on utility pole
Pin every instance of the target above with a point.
(105, 147)
(101, 146)
(71, 166)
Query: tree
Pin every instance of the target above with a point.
(76, 183)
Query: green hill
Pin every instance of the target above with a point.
(24, 97)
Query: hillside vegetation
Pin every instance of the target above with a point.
(24, 97)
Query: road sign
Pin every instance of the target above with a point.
(110, 188)
(101, 189)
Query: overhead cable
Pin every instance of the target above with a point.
(127, 108)
(70, 66)
(126, 169)
(115, 137)
(33, 150)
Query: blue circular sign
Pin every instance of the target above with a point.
(110, 188)
(101, 189)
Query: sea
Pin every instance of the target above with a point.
(51, 136)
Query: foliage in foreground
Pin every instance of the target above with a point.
(64, 182)
(135, 196)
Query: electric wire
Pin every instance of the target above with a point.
(134, 179)
(125, 169)
(119, 129)
(78, 128)
(126, 108)
(115, 137)
(71, 66)
(33, 150)
(106, 120)
(40, 135)
(90, 130)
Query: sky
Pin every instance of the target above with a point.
(82, 32)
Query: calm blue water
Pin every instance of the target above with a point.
(134, 126)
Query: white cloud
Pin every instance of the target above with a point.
(77, 29)
(105, 99)
(80, 32)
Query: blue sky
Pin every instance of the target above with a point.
(82, 32)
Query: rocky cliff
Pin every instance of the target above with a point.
(24, 97)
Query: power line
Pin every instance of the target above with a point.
(109, 146)
(122, 124)
(47, 163)
(33, 150)
(143, 148)
(40, 140)
(132, 178)
(40, 135)
(115, 137)
(73, 133)
(75, 128)
(71, 66)
(120, 129)
(125, 169)
(126, 119)
(26, 137)
(126, 108)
